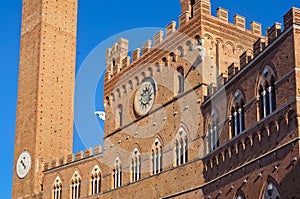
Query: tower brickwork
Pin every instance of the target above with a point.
(46, 85)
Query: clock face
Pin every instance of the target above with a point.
(144, 98)
(23, 164)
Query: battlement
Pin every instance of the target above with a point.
(117, 57)
(72, 158)
(290, 18)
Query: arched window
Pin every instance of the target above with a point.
(117, 173)
(57, 188)
(95, 180)
(271, 192)
(181, 147)
(213, 131)
(267, 94)
(119, 116)
(180, 77)
(76, 185)
(156, 157)
(237, 114)
(136, 165)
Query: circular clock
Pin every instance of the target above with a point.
(23, 164)
(144, 98)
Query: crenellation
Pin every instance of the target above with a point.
(79, 155)
(184, 18)
(292, 17)
(273, 32)
(259, 45)
(245, 59)
(88, 152)
(222, 79)
(202, 7)
(146, 47)
(158, 37)
(170, 28)
(98, 150)
(115, 56)
(240, 21)
(46, 166)
(222, 14)
(232, 70)
(62, 161)
(53, 163)
(70, 158)
(136, 54)
(125, 62)
(255, 27)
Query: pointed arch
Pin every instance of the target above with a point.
(57, 188)
(181, 147)
(95, 182)
(266, 92)
(237, 117)
(156, 157)
(270, 189)
(117, 173)
(76, 185)
(136, 165)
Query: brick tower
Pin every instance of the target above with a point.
(44, 123)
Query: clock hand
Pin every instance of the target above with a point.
(24, 166)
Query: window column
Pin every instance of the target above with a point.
(241, 120)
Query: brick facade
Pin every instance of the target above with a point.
(220, 62)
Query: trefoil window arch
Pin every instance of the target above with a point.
(267, 93)
(76, 185)
(136, 165)
(156, 157)
(237, 114)
(95, 180)
(117, 173)
(57, 188)
(181, 147)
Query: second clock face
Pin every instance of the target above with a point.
(23, 164)
(144, 98)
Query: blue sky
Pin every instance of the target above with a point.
(97, 21)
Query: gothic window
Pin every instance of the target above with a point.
(213, 131)
(95, 180)
(237, 114)
(180, 76)
(119, 116)
(181, 147)
(271, 192)
(156, 157)
(57, 188)
(117, 173)
(136, 165)
(267, 94)
(76, 185)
